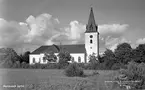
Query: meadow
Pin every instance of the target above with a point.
(53, 79)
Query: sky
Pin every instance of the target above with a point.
(29, 24)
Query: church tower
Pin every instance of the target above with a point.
(91, 37)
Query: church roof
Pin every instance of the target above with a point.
(91, 26)
(77, 48)
(43, 49)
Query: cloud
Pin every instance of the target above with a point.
(11, 34)
(57, 20)
(50, 41)
(75, 30)
(112, 34)
(44, 29)
(112, 43)
(36, 31)
(109, 34)
(2, 22)
(72, 34)
(140, 41)
(113, 30)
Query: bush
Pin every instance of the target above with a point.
(117, 66)
(50, 66)
(82, 65)
(44, 66)
(62, 65)
(93, 65)
(135, 72)
(64, 58)
(74, 70)
(24, 65)
(101, 66)
(17, 64)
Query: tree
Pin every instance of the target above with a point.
(108, 58)
(139, 53)
(51, 57)
(25, 57)
(64, 58)
(13, 56)
(123, 53)
(93, 61)
(24, 65)
(135, 72)
(17, 64)
(9, 57)
(74, 70)
(92, 58)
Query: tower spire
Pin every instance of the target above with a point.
(91, 26)
(91, 5)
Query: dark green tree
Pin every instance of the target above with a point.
(108, 58)
(25, 57)
(17, 64)
(93, 61)
(93, 58)
(139, 53)
(123, 53)
(135, 72)
(64, 58)
(51, 57)
(9, 57)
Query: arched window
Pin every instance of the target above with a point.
(91, 36)
(79, 59)
(33, 60)
(91, 41)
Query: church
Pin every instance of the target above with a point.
(79, 52)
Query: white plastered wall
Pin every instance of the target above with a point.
(39, 58)
(76, 55)
(91, 47)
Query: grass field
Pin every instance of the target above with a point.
(40, 79)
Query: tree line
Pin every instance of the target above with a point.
(119, 58)
(122, 55)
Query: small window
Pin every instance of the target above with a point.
(91, 41)
(91, 36)
(33, 60)
(79, 59)
(90, 47)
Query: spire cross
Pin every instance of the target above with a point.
(91, 6)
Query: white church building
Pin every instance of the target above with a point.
(79, 52)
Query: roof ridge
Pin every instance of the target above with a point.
(62, 45)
